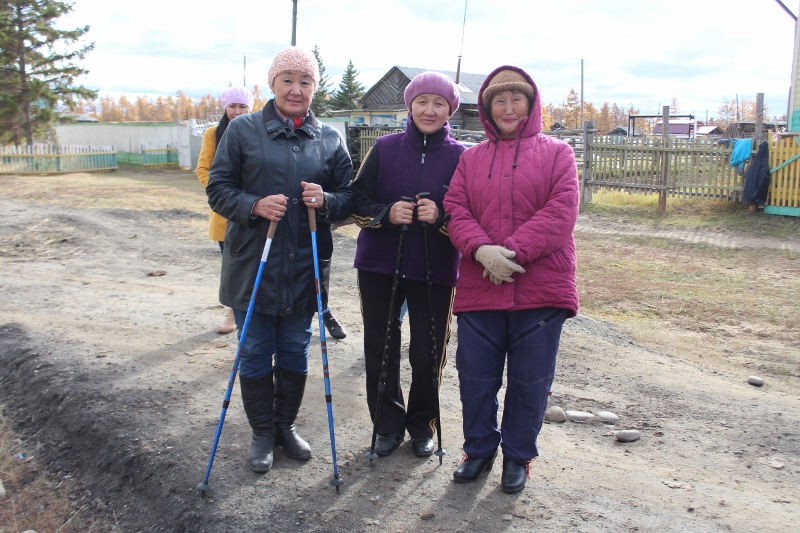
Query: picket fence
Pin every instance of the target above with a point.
(784, 162)
(159, 157)
(50, 159)
(686, 168)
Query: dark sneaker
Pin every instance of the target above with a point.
(469, 469)
(514, 475)
(422, 446)
(386, 443)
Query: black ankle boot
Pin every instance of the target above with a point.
(289, 388)
(469, 469)
(333, 326)
(514, 476)
(258, 396)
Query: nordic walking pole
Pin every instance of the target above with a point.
(312, 224)
(387, 340)
(441, 452)
(204, 486)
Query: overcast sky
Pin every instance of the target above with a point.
(635, 52)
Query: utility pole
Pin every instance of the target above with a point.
(582, 125)
(294, 22)
(792, 116)
(463, 29)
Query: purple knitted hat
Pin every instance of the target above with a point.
(433, 83)
(236, 95)
(295, 60)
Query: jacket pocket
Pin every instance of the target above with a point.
(235, 238)
(560, 262)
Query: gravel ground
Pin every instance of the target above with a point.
(115, 378)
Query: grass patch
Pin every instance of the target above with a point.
(668, 279)
(125, 189)
(690, 213)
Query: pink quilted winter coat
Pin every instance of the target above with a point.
(521, 194)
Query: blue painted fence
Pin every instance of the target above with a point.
(50, 159)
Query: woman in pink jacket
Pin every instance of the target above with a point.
(513, 203)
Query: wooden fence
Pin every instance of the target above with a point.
(360, 139)
(784, 187)
(370, 135)
(49, 159)
(160, 157)
(687, 168)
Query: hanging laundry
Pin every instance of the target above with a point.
(742, 149)
(756, 179)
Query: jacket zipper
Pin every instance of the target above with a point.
(419, 184)
(422, 163)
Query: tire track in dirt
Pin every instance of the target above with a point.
(722, 240)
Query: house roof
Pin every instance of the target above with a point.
(76, 117)
(674, 129)
(469, 84)
(708, 130)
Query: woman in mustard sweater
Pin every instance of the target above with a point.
(235, 101)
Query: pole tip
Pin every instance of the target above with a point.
(372, 455)
(204, 486)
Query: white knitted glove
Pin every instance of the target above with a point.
(492, 278)
(498, 261)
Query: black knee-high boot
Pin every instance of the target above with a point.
(289, 388)
(258, 397)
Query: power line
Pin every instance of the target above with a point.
(787, 9)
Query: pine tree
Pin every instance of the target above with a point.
(37, 69)
(321, 105)
(350, 91)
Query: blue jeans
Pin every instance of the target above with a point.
(284, 337)
(528, 342)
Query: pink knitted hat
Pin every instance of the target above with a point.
(236, 95)
(294, 59)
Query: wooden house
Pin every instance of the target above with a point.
(679, 128)
(383, 103)
(708, 132)
(746, 129)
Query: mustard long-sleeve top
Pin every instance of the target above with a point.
(216, 223)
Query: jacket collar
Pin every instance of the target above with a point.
(435, 137)
(275, 125)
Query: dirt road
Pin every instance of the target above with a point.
(115, 378)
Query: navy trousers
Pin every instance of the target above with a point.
(527, 341)
(279, 340)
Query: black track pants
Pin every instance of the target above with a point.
(375, 292)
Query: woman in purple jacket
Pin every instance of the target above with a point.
(513, 202)
(420, 159)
